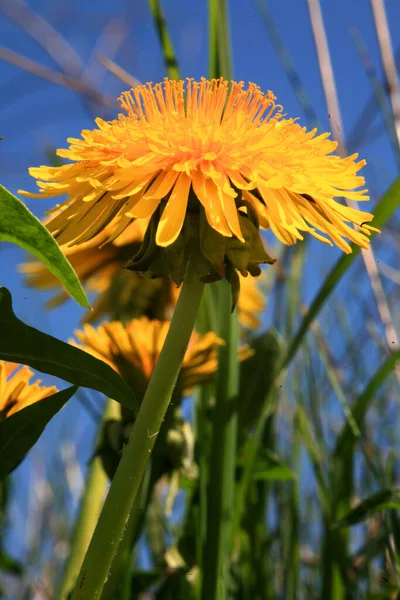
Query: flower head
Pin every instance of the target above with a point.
(133, 350)
(16, 391)
(210, 146)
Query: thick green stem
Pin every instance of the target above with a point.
(120, 575)
(89, 511)
(220, 508)
(126, 482)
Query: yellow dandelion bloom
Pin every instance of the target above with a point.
(251, 303)
(16, 391)
(215, 143)
(133, 350)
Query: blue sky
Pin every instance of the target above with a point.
(36, 116)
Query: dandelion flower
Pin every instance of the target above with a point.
(215, 146)
(16, 391)
(133, 350)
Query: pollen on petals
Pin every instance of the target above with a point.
(219, 141)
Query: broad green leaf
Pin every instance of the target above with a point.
(20, 431)
(383, 500)
(19, 226)
(383, 211)
(21, 343)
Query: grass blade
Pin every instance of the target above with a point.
(218, 542)
(383, 211)
(382, 500)
(171, 64)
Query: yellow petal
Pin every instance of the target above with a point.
(174, 213)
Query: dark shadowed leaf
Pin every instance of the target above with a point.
(143, 581)
(9, 565)
(383, 500)
(256, 379)
(19, 226)
(21, 343)
(176, 585)
(22, 430)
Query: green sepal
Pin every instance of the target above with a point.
(216, 256)
(233, 279)
(212, 243)
(237, 252)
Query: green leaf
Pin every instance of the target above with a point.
(176, 585)
(19, 226)
(9, 565)
(383, 500)
(22, 430)
(383, 211)
(256, 379)
(275, 473)
(21, 343)
(143, 580)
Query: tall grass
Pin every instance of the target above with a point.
(294, 494)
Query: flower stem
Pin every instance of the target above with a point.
(126, 482)
(89, 510)
(120, 575)
(218, 543)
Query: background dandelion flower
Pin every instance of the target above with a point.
(16, 391)
(133, 349)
